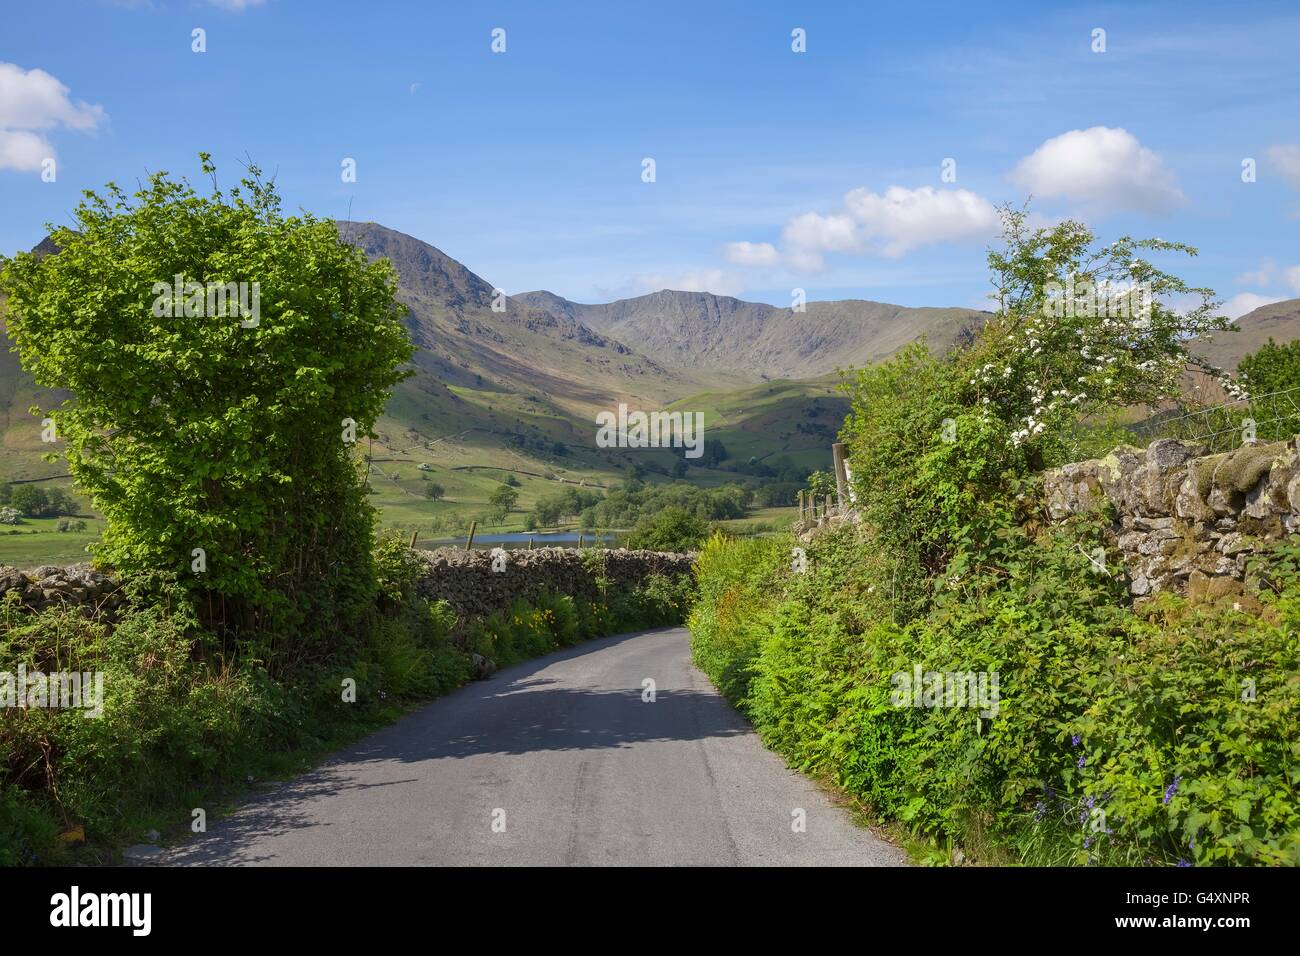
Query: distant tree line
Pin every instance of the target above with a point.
(32, 501)
(628, 502)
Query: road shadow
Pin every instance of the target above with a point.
(536, 718)
(519, 711)
(281, 810)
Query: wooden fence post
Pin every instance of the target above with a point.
(469, 542)
(414, 534)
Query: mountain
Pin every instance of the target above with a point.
(1279, 321)
(20, 433)
(699, 331)
(463, 341)
(513, 382)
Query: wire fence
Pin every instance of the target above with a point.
(1273, 416)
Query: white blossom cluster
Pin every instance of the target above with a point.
(1068, 359)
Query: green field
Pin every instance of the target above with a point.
(38, 541)
(761, 521)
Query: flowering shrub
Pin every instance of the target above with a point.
(1080, 328)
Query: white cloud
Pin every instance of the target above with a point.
(889, 224)
(752, 253)
(1264, 275)
(1285, 158)
(700, 280)
(1102, 166)
(1270, 273)
(1244, 302)
(34, 100)
(817, 233)
(904, 219)
(23, 150)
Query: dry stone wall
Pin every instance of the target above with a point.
(77, 585)
(1182, 519)
(466, 579)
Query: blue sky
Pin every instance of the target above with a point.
(773, 169)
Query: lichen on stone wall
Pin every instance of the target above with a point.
(1185, 520)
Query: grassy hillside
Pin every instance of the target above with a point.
(515, 388)
(793, 419)
(1279, 321)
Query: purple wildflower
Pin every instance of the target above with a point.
(1082, 760)
(1172, 789)
(1074, 741)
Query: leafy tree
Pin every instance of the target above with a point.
(547, 512)
(510, 480)
(1081, 328)
(503, 498)
(29, 500)
(821, 483)
(59, 502)
(712, 454)
(777, 494)
(218, 441)
(626, 504)
(672, 529)
(1272, 376)
(1274, 368)
(434, 491)
(551, 509)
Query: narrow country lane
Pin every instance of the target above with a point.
(564, 752)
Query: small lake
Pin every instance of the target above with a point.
(519, 539)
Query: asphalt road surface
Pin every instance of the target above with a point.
(557, 761)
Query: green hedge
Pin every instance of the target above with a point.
(181, 730)
(1120, 736)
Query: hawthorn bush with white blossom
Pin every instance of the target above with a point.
(1081, 328)
(1082, 331)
